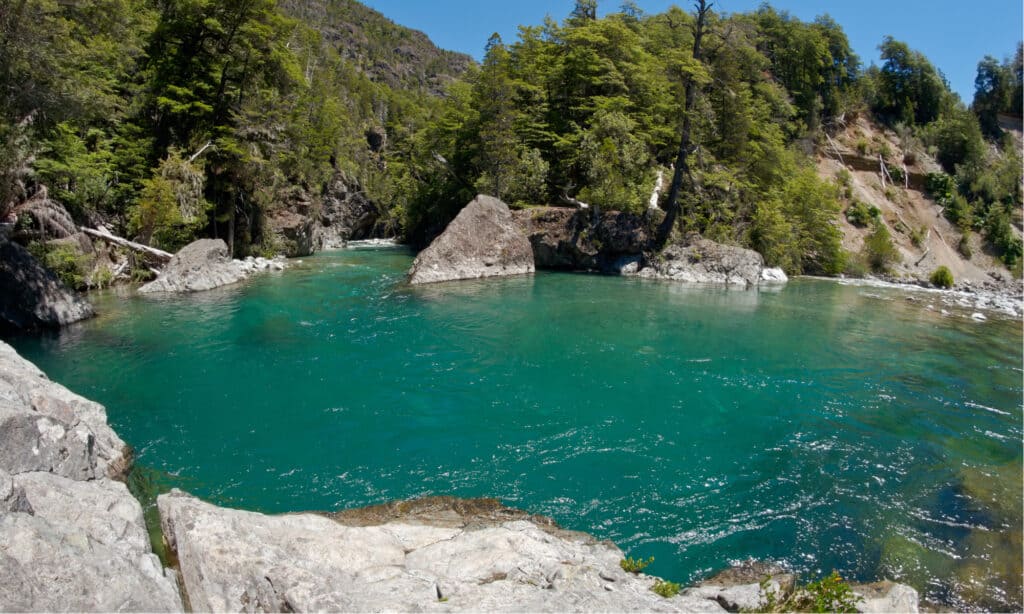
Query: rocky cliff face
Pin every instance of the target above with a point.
(31, 296)
(580, 239)
(482, 241)
(346, 214)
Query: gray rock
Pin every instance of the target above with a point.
(705, 262)
(46, 427)
(12, 497)
(881, 597)
(84, 548)
(296, 234)
(746, 586)
(71, 538)
(482, 241)
(774, 276)
(200, 265)
(31, 296)
(346, 214)
(579, 239)
(233, 560)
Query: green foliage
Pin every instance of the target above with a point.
(666, 588)
(861, 214)
(829, 594)
(964, 246)
(879, 250)
(64, 260)
(942, 278)
(1002, 236)
(632, 565)
(997, 89)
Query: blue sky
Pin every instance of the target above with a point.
(954, 35)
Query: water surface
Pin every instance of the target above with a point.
(821, 425)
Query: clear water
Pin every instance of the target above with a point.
(825, 426)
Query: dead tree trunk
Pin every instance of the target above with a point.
(682, 172)
(153, 254)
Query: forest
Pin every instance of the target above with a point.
(170, 120)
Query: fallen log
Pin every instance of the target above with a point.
(156, 254)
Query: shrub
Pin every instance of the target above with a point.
(964, 247)
(860, 214)
(66, 263)
(635, 565)
(940, 186)
(830, 594)
(665, 588)
(862, 146)
(942, 278)
(879, 249)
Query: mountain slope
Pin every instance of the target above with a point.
(386, 52)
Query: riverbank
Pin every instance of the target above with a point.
(73, 538)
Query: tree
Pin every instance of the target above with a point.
(911, 90)
(682, 169)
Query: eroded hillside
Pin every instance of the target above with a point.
(883, 177)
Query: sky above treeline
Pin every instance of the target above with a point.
(955, 35)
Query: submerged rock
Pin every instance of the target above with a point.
(204, 265)
(482, 241)
(496, 560)
(31, 296)
(703, 261)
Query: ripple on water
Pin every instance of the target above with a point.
(823, 426)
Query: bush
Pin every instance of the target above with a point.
(665, 588)
(879, 249)
(940, 186)
(830, 594)
(634, 565)
(942, 278)
(1001, 234)
(66, 263)
(860, 214)
(964, 247)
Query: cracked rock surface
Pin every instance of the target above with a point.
(246, 561)
(72, 538)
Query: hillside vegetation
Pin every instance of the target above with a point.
(167, 120)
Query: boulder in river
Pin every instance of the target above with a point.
(200, 265)
(482, 241)
(703, 261)
(31, 296)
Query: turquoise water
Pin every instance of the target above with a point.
(825, 426)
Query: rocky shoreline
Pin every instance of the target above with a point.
(72, 537)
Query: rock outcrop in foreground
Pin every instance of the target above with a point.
(204, 265)
(499, 561)
(31, 297)
(72, 538)
(482, 241)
